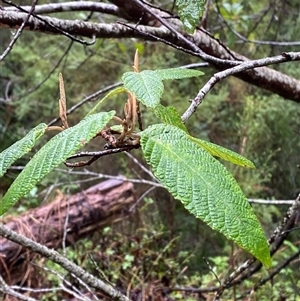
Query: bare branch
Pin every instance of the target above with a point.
(289, 214)
(80, 28)
(18, 33)
(278, 236)
(284, 57)
(63, 262)
(217, 55)
(271, 202)
(6, 289)
(275, 272)
(71, 6)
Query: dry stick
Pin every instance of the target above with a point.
(65, 232)
(97, 176)
(69, 266)
(141, 198)
(193, 290)
(17, 35)
(74, 292)
(271, 202)
(284, 57)
(6, 289)
(54, 27)
(33, 290)
(291, 211)
(263, 281)
(141, 166)
(98, 154)
(278, 233)
(181, 37)
(72, 6)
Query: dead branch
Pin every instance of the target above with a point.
(212, 50)
(86, 212)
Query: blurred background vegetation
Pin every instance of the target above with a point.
(161, 240)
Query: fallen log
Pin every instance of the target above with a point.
(74, 217)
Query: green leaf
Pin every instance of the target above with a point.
(177, 73)
(190, 12)
(146, 85)
(169, 115)
(53, 153)
(223, 153)
(204, 186)
(20, 148)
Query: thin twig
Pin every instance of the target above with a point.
(270, 277)
(278, 233)
(49, 74)
(74, 292)
(73, 38)
(87, 99)
(6, 289)
(141, 198)
(72, 6)
(63, 262)
(180, 36)
(18, 33)
(65, 232)
(98, 154)
(271, 202)
(212, 270)
(291, 211)
(246, 65)
(210, 59)
(141, 166)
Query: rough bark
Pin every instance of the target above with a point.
(263, 77)
(86, 212)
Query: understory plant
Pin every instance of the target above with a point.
(185, 165)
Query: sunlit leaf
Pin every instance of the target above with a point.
(169, 115)
(204, 186)
(178, 73)
(146, 85)
(53, 153)
(20, 148)
(190, 12)
(223, 153)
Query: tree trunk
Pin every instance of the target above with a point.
(77, 216)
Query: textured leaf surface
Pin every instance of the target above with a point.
(146, 85)
(169, 115)
(223, 153)
(53, 153)
(204, 186)
(190, 12)
(177, 73)
(20, 148)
